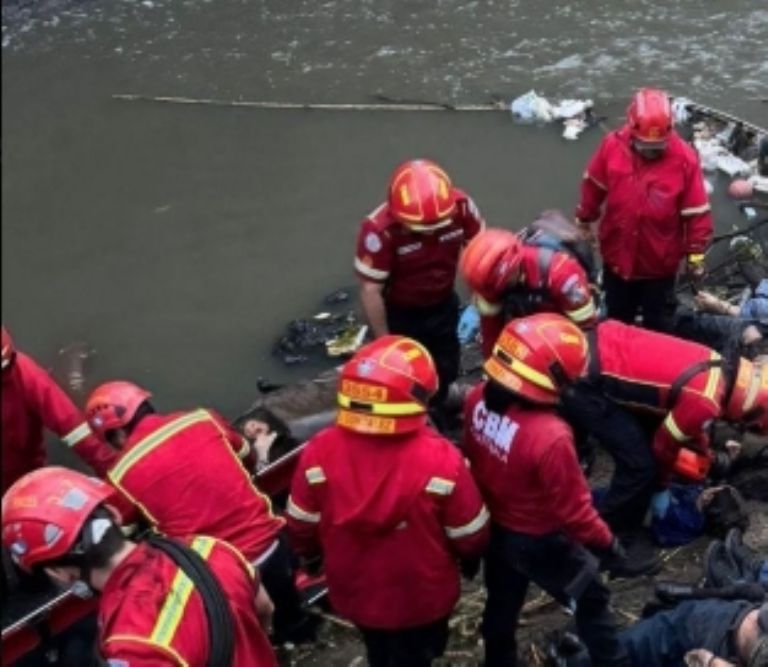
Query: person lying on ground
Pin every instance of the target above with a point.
(734, 632)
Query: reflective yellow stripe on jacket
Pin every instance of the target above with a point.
(154, 440)
(176, 601)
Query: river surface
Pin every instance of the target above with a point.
(179, 240)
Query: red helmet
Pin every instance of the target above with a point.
(650, 116)
(112, 405)
(386, 386)
(8, 350)
(421, 195)
(44, 512)
(536, 356)
(748, 402)
(490, 260)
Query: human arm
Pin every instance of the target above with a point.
(372, 301)
(59, 414)
(570, 496)
(569, 289)
(373, 261)
(464, 515)
(303, 513)
(685, 425)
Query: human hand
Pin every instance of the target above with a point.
(701, 657)
(265, 608)
(707, 301)
(262, 444)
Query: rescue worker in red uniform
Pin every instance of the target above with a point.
(650, 399)
(406, 259)
(390, 504)
(188, 473)
(152, 611)
(655, 211)
(543, 521)
(33, 401)
(509, 279)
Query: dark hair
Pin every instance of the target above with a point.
(499, 399)
(144, 409)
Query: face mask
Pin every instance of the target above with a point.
(648, 153)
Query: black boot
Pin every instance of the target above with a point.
(720, 569)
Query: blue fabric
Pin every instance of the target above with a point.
(677, 520)
(756, 308)
(469, 325)
(663, 639)
(762, 576)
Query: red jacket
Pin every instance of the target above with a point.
(31, 401)
(526, 466)
(183, 472)
(556, 282)
(418, 269)
(656, 211)
(392, 515)
(151, 616)
(638, 368)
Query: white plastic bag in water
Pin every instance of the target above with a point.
(531, 107)
(570, 108)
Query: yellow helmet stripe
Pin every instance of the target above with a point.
(389, 409)
(523, 370)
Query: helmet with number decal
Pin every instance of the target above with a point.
(421, 195)
(112, 405)
(45, 511)
(386, 386)
(9, 352)
(650, 116)
(748, 401)
(537, 356)
(490, 260)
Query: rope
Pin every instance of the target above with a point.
(309, 106)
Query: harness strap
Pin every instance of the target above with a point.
(217, 610)
(593, 370)
(684, 377)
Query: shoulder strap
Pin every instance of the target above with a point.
(217, 610)
(594, 370)
(684, 377)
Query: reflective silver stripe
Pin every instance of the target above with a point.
(368, 271)
(469, 528)
(594, 180)
(440, 486)
(266, 554)
(302, 515)
(77, 434)
(695, 210)
(315, 475)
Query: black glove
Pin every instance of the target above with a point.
(616, 562)
(470, 567)
(313, 565)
